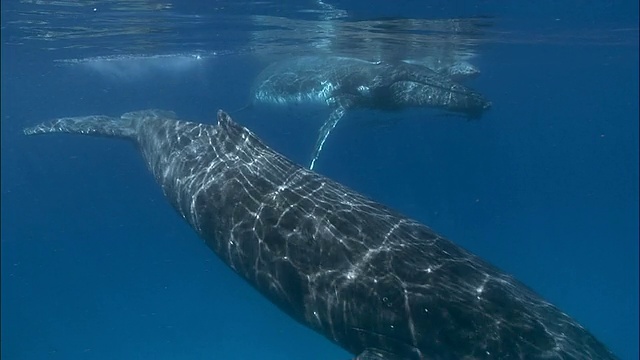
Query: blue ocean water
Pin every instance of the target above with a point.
(97, 265)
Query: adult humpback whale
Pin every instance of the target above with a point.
(377, 283)
(343, 82)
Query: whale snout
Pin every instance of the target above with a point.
(451, 98)
(485, 105)
(470, 104)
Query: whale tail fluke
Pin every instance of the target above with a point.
(98, 125)
(125, 126)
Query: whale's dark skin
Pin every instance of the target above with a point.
(343, 82)
(371, 280)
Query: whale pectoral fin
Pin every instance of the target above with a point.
(325, 130)
(375, 354)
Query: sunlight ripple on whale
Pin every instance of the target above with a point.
(375, 282)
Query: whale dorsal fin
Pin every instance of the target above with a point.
(342, 104)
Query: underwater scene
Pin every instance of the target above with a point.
(314, 179)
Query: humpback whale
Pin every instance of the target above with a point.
(375, 282)
(342, 83)
(457, 68)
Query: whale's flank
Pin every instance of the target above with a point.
(382, 286)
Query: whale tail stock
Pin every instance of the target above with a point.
(125, 126)
(98, 125)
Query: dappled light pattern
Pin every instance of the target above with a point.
(375, 282)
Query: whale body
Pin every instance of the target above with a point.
(343, 82)
(375, 282)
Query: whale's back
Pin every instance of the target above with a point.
(310, 79)
(363, 275)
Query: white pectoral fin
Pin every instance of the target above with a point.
(325, 130)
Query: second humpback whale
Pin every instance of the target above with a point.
(375, 282)
(344, 82)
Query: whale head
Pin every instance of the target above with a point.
(451, 97)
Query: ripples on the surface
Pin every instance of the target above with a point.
(102, 34)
